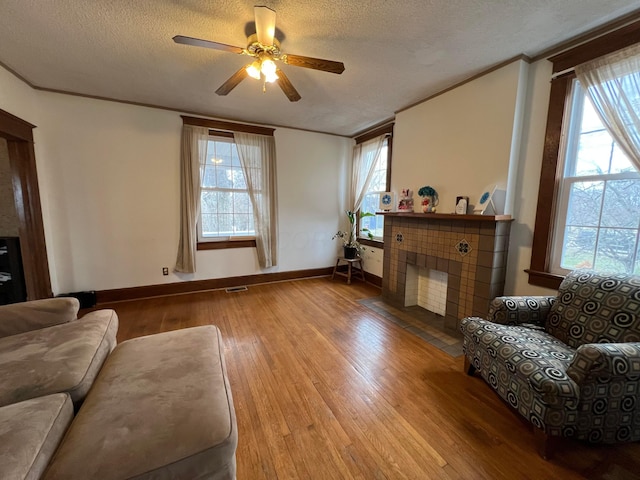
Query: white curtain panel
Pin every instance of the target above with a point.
(257, 155)
(365, 157)
(612, 83)
(193, 152)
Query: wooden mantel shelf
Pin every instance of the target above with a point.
(450, 216)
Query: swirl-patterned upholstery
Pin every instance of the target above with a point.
(569, 364)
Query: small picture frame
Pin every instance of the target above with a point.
(485, 201)
(387, 201)
(462, 204)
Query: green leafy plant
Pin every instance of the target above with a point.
(350, 238)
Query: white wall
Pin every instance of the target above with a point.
(462, 141)
(109, 181)
(108, 176)
(458, 142)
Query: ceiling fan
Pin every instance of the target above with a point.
(265, 49)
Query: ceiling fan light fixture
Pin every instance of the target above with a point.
(268, 67)
(270, 77)
(254, 70)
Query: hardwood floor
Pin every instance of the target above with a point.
(325, 388)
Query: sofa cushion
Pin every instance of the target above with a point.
(62, 358)
(160, 408)
(596, 308)
(22, 317)
(30, 432)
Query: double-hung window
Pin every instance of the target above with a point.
(225, 207)
(598, 211)
(380, 182)
(371, 201)
(588, 213)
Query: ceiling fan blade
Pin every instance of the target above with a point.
(286, 86)
(315, 63)
(196, 42)
(233, 81)
(265, 24)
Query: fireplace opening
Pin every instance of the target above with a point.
(426, 288)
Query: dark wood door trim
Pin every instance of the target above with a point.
(22, 159)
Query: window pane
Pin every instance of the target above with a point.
(241, 203)
(208, 201)
(225, 202)
(209, 225)
(208, 173)
(619, 161)
(238, 179)
(584, 203)
(223, 177)
(226, 224)
(594, 153)
(621, 204)
(616, 249)
(223, 153)
(579, 247)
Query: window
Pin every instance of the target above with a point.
(579, 203)
(225, 207)
(371, 202)
(380, 182)
(598, 213)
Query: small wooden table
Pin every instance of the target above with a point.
(352, 264)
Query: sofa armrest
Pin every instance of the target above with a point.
(528, 311)
(22, 317)
(606, 360)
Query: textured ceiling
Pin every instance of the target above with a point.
(396, 52)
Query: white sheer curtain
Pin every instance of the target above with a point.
(365, 157)
(193, 152)
(612, 83)
(258, 159)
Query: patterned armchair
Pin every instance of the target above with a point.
(569, 364)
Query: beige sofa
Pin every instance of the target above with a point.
(152, 407)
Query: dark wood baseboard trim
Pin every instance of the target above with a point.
(178, 288)
(373, 279)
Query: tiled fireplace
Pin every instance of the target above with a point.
(468, 251)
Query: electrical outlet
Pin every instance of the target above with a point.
(165, 270)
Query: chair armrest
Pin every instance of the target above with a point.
(606, 360)
(22, 317)
(528, 311)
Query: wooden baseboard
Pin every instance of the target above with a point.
(177, 288)
(373, 279)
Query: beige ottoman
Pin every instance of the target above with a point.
(161, 407)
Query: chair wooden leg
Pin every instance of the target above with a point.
(468, 366)
(546, 445)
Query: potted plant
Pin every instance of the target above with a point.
(429, 199)
(352, 247)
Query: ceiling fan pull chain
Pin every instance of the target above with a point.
(264, 87)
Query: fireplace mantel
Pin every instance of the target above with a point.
(449, 216)
(471, 249)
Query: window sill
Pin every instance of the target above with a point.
(371, 243)
(226, 244)
(544, 279)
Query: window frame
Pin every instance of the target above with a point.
(222, 128)
(560, 95)
(386, 130)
